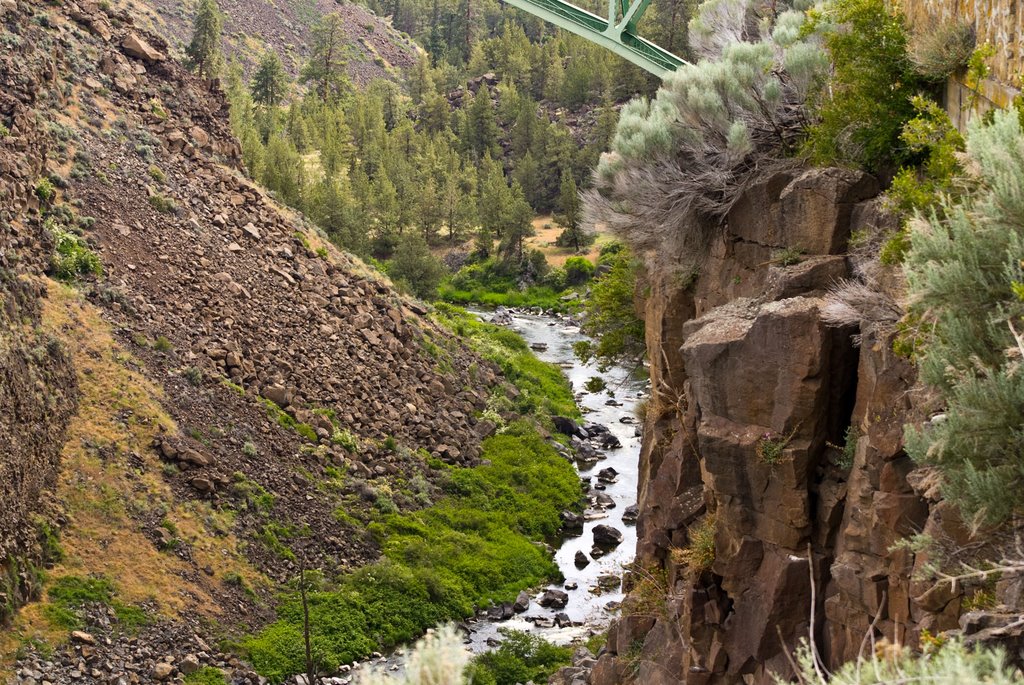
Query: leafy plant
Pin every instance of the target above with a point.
(72, 258)
(44, 190)
(867, 101)
(771, 448)
(520, 658)
(578, 270)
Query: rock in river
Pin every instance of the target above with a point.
(606, 536)
(555, 599)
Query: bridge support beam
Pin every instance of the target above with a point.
(617, 32)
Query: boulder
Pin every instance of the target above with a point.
(277, 394)
(581, 560)
(564, 425)
(554, 599)
(163, 671)
(522, 602)
(135, 46)
(607, 536)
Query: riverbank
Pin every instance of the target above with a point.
(592, 591)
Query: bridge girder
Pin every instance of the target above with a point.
(617, 32)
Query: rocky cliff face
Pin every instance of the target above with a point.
(756, 396)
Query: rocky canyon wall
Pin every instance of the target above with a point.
(755, 397)
(38, 390)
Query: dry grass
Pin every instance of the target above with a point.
(110, 473)
(547, 231)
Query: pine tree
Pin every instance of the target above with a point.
(270, 82)
(420, 81)
(204, 50)
(517, 225)
(527, 173)
(481, 134)
(414, 266)
(493, 203)
(326, 66)
(457, 202)
(570, 218)
(283, 170)
(343, 218)
(387, 212)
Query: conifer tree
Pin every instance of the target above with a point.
(204, 51)
(270, 82)
(481, 132)
(457, 202)
(570, 218)
(517, 225)
(283, 170)
(527, 173)
(326, 66)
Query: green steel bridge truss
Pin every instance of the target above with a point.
(617, 32)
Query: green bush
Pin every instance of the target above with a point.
(867, 99)
(520, 658)
(471, 548)
(44, 190)
(162, 204)
(72, 258)
(964, 275)
(207, 675)
(578, 270)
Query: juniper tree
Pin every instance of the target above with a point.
(481, 131)
(326, 66)
(574, 235)
(270, 82)
(203, 51)
(516, 227)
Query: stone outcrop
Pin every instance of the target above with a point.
(754, 397)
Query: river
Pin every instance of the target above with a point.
(614, 407)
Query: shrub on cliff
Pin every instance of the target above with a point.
(678, 162)
(966, 282)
